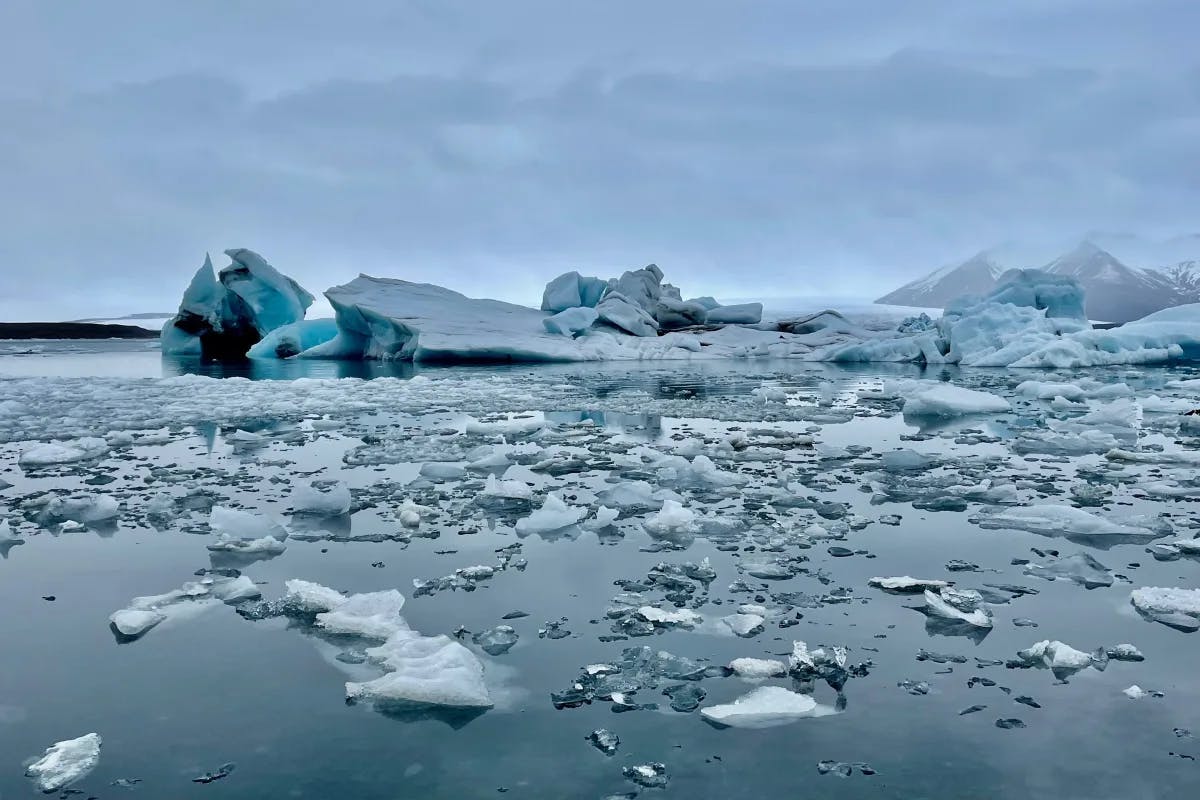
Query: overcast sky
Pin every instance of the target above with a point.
(781, 147)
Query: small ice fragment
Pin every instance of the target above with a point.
(235, 523)
(553, 515)
(672, 518)
(65, 762)
(682, 617)
(496, 641)
(131, 623)
(648, 776)
(605, 741)
(765, 707)
(758, 668)
(965, 605)
(324, 498)
(744, 625)
(907, 584)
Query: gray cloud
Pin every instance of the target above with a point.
(823, 147)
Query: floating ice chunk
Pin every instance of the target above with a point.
(758, 668)
(509, 490)
(233, 522)
(1054, 520)
(410, 513)
(422, 670)
(85, 449)
(83, 508)
(374, 615)
(963, 605)
(681, 617)
(905, 584)
(144, 613)
(553, 515)
(635, 494)
(425, 670)
(266, 545)
(1124, 652)
(604, 517)
(572, 321)
(672, 518)
(506, 427)
(132, 623)
(1178, 608)
(1080, 568)
(306, 597)
(1120, 413)
(1046, 390)
(744, 625)
(648, 776)
(246, 439)
(65, 762)
(765, 707)
(442, 471)
(496, 641)
(947, 400)
(490, 461)
(324, 498)
(1055, 655)
(1134, 692)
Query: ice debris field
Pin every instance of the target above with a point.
(590, 580)
(831, 550)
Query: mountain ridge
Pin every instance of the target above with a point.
(1115, 291)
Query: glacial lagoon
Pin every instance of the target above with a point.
(754, 502)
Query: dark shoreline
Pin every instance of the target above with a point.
(72, 330)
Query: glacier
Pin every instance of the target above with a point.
(1030, 319)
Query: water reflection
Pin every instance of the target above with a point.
(285, 369)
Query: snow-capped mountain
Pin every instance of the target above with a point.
(1115, 291)
(976, 275)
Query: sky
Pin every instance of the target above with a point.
(781, 147)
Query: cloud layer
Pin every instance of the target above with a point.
(781, 147)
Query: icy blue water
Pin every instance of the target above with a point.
(216, 687)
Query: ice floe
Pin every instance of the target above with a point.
(65, 762)
(418, 670)
(765, 707)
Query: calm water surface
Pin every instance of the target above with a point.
(216, 688)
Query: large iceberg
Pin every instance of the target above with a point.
(222, 315)
(1030, 319)
(391, 319)
(1034, 319)
(385, 318)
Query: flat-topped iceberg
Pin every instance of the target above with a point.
(765, 707)
(65, 762)
(390, 319)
